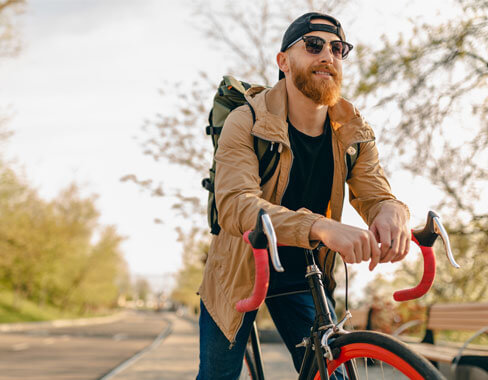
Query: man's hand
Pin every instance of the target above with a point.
(354, 244)
(390, 228)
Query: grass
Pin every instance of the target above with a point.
(23, 310)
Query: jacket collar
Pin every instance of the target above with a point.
(271, 108)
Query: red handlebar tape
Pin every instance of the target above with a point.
(261, 280)
(427, 279)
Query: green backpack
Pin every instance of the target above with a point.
(230, 95)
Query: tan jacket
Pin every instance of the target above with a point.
(229, 271)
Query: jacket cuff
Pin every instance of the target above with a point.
(302, 232)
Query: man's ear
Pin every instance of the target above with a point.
(283, 61)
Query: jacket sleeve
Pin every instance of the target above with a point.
(368, 187)
(238, 193)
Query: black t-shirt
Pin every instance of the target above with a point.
(309, 186)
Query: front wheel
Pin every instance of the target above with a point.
(373, 355)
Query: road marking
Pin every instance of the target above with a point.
(20, 346)
(120, 336)
(164, 334)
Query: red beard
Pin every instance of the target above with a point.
(321, 91)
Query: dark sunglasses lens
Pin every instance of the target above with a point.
(345, 49)
(338, 49)
(314, 45)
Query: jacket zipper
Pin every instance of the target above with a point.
(233, 342)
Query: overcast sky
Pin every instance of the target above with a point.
(87, 78)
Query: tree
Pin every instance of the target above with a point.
(142, 289)
(10, 44)
(55, 252)
(438, 81)
(9, 40)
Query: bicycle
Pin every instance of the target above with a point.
(330, 349)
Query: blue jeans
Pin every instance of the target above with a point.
(293, 316)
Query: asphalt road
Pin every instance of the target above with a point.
(127, 349)
(79, 352)
(176, 358)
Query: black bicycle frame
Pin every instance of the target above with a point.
(321, 323)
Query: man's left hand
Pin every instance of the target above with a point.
(390, 228)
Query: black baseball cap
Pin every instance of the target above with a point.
(303, 25)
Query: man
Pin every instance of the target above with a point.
(314, 129)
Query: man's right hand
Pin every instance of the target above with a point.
(354, 244)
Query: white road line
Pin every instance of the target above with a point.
(166, 332)
(20, 346)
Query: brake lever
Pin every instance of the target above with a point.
(441, 231)
(272, 242)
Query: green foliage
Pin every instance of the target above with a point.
(54, 253)
(18, 309)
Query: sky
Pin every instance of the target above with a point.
(86, 79)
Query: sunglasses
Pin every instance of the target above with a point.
(314, 45)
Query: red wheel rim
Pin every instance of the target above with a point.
(361, 350)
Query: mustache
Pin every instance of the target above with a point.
(328, 68)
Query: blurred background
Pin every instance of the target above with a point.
(103, 109)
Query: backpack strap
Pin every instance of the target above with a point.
(267, 156)
(252, 112)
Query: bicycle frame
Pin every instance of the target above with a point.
(323, 328)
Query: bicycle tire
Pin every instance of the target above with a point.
(375, 349)
(248, 367)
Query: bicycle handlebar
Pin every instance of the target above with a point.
(263, 236)
(258, 239)
(425, 239)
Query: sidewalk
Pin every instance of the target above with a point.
(176, 357)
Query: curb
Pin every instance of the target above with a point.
(26, 326)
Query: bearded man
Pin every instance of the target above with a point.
(314, 129)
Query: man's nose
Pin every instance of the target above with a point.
(326, 54)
